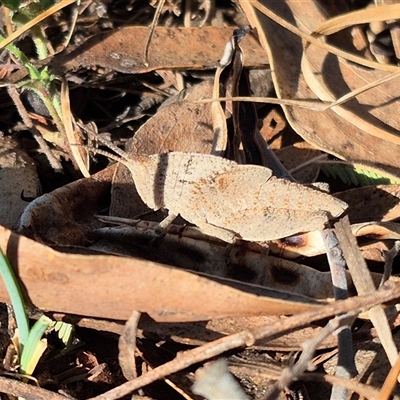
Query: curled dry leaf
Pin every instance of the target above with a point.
(66, 215)
(362, 129)
(177, 47)
(59, 282)
(377, 230)
(247, 262)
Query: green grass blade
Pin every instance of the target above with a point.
(17, 301)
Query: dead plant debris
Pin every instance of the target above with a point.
(237, 249)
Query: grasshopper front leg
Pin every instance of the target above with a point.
(164, 224)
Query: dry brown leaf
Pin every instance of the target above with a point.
(247, 262)
(365, 129)
(372, 112)
(377, 230)
(375, 251)
(188, 248)
(94, 285)
(185, 48)
(66, 215)
(297, 278)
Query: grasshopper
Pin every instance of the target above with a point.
(228, 200)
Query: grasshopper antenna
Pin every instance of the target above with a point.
(91, 131)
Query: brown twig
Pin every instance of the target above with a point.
(127, 346)
(389, 291)
(156, 17)
(13, 93)
(23, 390)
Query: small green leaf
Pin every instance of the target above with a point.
(358, 174)
(65, 332)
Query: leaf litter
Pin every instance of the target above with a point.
(188, 287)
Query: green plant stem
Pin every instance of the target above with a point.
(28, 360)
(40, 42)
(17, 301)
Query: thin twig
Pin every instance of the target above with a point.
(13, 93)
(127, 346)
(389, 291)
(152, 28)
(23, 390)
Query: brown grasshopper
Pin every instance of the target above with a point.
(228, 200)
